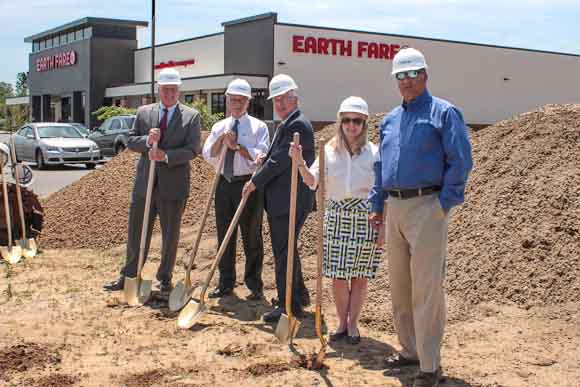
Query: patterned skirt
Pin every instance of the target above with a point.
(349, 241)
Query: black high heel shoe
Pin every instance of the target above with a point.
(354, 340)
(339, 335)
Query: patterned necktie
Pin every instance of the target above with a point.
(229, 161)
(163, 123)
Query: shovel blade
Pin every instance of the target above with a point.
(190, 314)
(11, 255)
(179, 297)
(137, 292)
(287, 329)
(29, 248)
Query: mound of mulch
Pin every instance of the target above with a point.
(23, 357)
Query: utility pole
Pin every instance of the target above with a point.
(152, 51)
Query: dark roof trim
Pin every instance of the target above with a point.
(86, 21)
(268, 15)
(180, 41)
(198, 77)
(430, 39)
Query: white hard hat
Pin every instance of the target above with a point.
(239, 87)
(354, 105)
(169, 76)
(281, 84)
(408, 59)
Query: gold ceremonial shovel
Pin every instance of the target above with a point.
(288, 325)
(182, 292)
(194, 310)
(321, 193)
(28, 245)
(11, 254)
(137, 291)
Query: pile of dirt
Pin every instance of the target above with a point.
(54, 380)
(516, 238)
(22, 357)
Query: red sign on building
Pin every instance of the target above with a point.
(342, 47)
(57, 61)
(172, 63)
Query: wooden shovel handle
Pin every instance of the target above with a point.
(206, 210)
(321, 194)
(18, 193)
(291, 232)
(232, 227)
(146, 212)
(6, 205)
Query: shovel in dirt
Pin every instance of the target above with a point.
(194, 310)
(182, 292)
(321, 193)
(137, 291)
(288, 325)
(28, 245)
(11, 254)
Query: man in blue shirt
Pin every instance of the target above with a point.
(425, 159)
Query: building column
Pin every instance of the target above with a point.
(36, 108)
(77, 107)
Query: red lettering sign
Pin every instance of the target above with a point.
(176, 63)
(340, 47)
(57, 61)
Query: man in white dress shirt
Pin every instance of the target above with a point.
(245, 139)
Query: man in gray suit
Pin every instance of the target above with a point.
(175, 129)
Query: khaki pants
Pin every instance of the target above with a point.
(417, 247)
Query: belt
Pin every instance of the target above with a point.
(411, 193)
(236, 179)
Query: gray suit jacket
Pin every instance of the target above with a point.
(181, 142)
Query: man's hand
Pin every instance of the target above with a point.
(295, 152)
(249, 187)
(154, 136)
(376, 220)
(260, 159)
(156, 154)
(231, 140)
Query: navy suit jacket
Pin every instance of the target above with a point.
(275, 174)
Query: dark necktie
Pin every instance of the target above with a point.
(163, 123)
(229, 161)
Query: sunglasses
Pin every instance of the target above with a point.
(356, 121)
(410, 74)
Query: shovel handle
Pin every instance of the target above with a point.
(206, 210)
(18, 193)
(291, 232)
(321, 194)
(232, 227)
(145, 225)
(6, 206)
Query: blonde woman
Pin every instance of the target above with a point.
(352, 248)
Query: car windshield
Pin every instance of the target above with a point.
(129, 121)
(58, 131)
(81, 128)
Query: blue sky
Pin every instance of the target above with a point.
(536, 24)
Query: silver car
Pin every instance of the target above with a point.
(55, 144)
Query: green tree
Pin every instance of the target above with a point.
(105, 112)
(21, 84)
(5, 91)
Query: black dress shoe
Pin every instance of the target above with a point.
(273, 316)
(336, 336)
(354, 340)
(220, 292)
(115, 285)
(255, 295)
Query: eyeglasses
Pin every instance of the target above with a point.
(411, 74)
(356, 121)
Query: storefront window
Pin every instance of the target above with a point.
(88, 32)
(71, 37)
(189, 98)
(258, 104)
(56, 41)
(42, 45)
(218, 103)
(49, 43)
(63, 39)
(35, 46)
(79, 35)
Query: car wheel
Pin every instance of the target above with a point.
(90, 165)
(119, 148)
(39, 160)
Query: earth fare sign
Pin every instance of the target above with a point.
(341, 47)
(56, 61)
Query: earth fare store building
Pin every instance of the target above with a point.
(489, 83)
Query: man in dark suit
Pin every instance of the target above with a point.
(175, 128)
(274, 179)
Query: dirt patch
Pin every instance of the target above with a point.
(269, 368)
(54, 380)
(23, 357)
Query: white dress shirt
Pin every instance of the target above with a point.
(252, 135)
(346, 176)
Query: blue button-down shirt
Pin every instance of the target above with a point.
(423, 143)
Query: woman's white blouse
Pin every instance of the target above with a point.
(346, 176)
